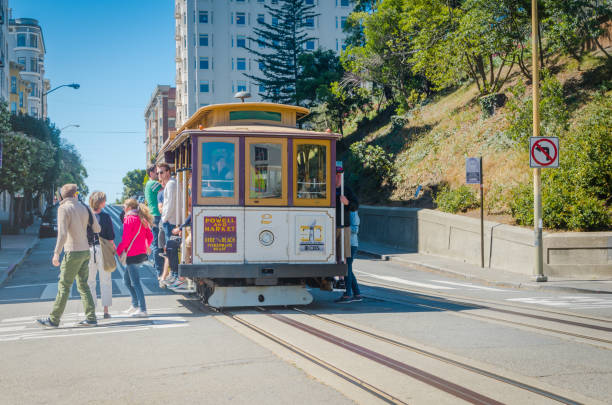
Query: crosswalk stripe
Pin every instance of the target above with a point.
(467, 285)
(402, 281)
(50, 292)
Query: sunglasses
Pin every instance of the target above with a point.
(162, 172)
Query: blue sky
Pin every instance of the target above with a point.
(118, 51)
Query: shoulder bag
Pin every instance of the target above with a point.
(123, 256)
(108, 255)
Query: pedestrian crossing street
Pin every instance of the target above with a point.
(25, 328)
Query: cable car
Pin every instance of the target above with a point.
(262, 197)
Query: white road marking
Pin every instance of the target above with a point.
(50, 292)
(402, 281)
(467, 285)
(573, 302)
(24, 285)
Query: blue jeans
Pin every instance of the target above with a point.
(170, 251)
(352, 288)
(132, 282)
(158, 261)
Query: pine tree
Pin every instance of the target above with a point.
(278, 48)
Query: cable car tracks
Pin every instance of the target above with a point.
(372, 360)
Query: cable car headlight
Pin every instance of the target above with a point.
(266, 238)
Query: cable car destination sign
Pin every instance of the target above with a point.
(543, 151)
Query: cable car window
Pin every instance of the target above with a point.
(266, 179)
(255, 115)
(311, 167)
(218, 163)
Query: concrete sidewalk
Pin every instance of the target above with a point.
(15, 248)
(493, 277)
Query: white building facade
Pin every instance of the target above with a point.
(211, 40)
(27, 48)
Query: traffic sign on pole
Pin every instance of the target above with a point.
(543, 151)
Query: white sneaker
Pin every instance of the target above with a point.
(170, 279)
(139, 314)
(130, 310)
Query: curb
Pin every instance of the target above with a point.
(9, 272)
(453, 273)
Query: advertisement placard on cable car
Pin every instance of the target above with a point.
(312, 236)
(220, 234)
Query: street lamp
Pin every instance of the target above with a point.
(71, 125)
(73, 85)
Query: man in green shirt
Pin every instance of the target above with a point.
(150, 191)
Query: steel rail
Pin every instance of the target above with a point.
(448, 360)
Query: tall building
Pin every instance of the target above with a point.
(211, 41)
(27, 48)
(160, 119)
(4, 50)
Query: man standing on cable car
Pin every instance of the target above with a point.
(347, 201)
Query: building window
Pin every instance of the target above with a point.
(342, 22)
(262, 88)
(33, 41)
(34, 111)
(14, 84)
(240, 41)
(204, 86)
(33, 64)
(343, 45)
(14, 107)
(344, 3)
(203, 17)
(171, 122)
(309, 22)
(261, 42)
(241, 85)
(240, 18)
(21, 39)
(274, 1)
(241, 64)
(21, 60)
(34, 92)
(20, 99)
(204, 63)
(309, 2)
(203, 39)
(262, 66)
(261, 18)
(274, 21)
(260, 1)
(310, 45)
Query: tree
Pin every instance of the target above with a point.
(570, 24)
(133, 183)
(476, 40)
(26, 168)
(278, 48)
(71, 167)
(318, 70)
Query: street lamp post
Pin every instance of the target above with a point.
(71, 125)
(73, 85)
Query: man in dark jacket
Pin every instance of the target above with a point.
(346, 201)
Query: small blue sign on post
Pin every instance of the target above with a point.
(473, 171)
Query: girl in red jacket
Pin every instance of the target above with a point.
(136, 240)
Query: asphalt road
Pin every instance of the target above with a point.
(186, 352)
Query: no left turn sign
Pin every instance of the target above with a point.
(543, 151)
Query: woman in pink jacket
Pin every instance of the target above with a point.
(136, 240)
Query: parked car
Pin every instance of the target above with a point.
(48, 226)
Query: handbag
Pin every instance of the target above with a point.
(108, 255)
(123, 256)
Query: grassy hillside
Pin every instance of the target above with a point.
(430, 149)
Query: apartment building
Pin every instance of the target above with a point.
(4, 50)
(27, 47)
(160, 119)
(212, 38)
(19, 89)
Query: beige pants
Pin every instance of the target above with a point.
(347, 243)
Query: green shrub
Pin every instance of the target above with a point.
(521, 205)
(459, 199)
(370, 171)
(490, 103)
(554, 116)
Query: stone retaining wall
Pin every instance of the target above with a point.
(577, 255)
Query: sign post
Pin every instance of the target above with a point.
(537, 185)
(473, 175)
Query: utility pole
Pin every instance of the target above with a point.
(537, 183)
